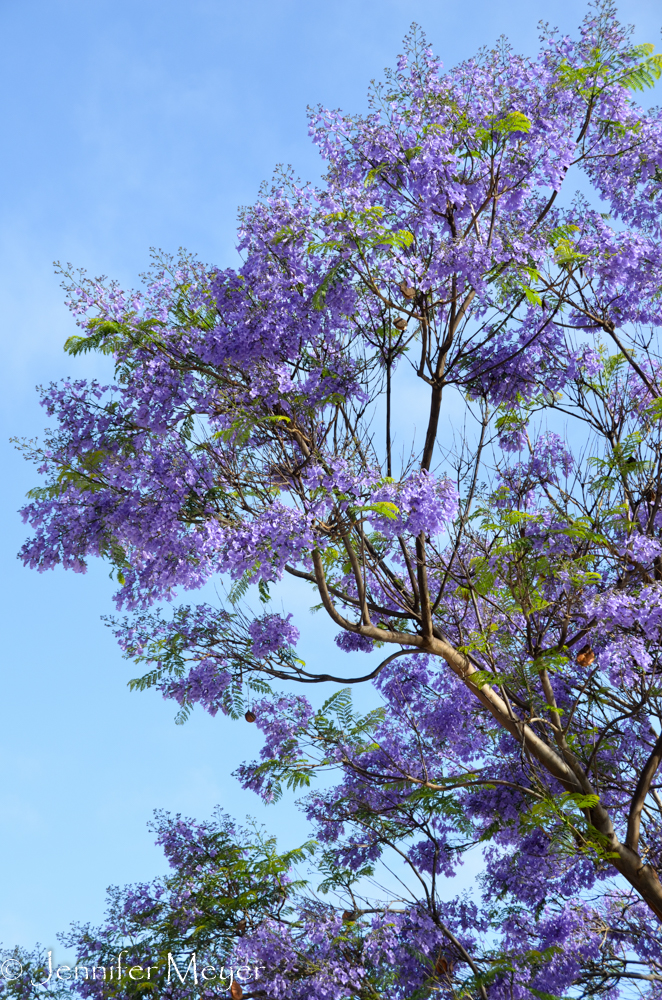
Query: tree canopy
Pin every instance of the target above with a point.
(502, 561)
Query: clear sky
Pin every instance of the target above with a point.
(129, 124)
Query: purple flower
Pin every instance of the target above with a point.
(271, 633)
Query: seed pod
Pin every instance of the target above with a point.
(443, 966)
(407, 290)
(585, 656)
(250, 716)
(241, 926)
(236, 991)
(400, 324)
(349, 915)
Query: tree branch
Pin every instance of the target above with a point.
(640, 793)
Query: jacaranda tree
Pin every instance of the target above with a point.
(502, 561)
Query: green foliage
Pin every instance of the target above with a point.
(566, 254)
(339, 877)
(245, 424)
(334, 276)
(605, 68)
(647, 72)
(356, 230)
(311, 747)
(241, 880)
(240, 588)
(384, 508)
(513, 123)
(620, 464)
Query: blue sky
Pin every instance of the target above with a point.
(130, 124)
